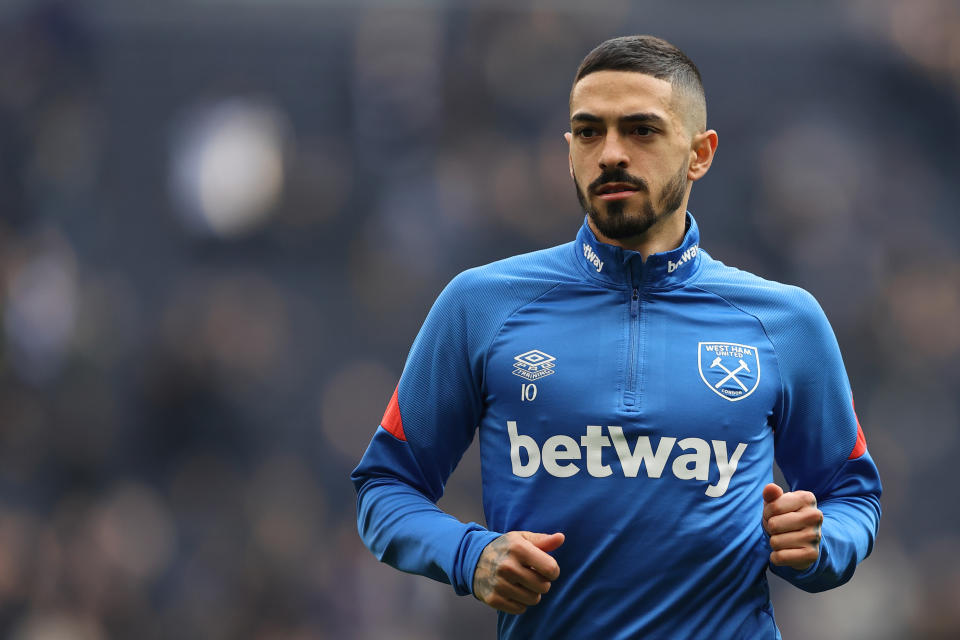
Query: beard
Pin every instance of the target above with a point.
(617, 223)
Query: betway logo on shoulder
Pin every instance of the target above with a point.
(560, 453)
(592, 257)
(685, 257)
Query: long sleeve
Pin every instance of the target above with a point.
(820, 446)
(429, 423)
(402, 525)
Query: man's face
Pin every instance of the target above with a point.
(630, 151)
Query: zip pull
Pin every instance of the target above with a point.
(635, 303)
(636, 294)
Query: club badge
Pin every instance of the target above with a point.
(730, 370)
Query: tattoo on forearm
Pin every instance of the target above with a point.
(485, 575)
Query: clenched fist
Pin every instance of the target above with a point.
(515, 570)
(793, 522)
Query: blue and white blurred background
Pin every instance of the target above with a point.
(222, 223)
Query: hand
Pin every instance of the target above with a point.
(793, 522)
(515, 569)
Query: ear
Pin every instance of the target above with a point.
(702, 148)
(569, 138)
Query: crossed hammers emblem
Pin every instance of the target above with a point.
(731, 375)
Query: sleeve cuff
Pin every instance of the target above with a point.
(468, 555)
(795, 575)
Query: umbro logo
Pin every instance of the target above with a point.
(534, 364)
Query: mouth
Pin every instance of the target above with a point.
(615, 190)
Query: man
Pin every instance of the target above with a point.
(631, 393)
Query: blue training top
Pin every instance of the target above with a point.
(636, 407)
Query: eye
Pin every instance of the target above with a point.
(586, 132)
(641, 131)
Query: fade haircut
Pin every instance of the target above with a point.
(655, 57)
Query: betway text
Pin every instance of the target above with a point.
(560, 454)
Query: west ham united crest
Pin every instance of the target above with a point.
(730, 370)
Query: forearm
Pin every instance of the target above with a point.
(404, 529)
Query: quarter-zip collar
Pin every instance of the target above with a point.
(625, 268)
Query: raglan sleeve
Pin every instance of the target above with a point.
(429, 423)
(820, 446)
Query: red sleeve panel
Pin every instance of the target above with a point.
(393, 423)
(861, 444)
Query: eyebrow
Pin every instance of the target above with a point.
(633, 118)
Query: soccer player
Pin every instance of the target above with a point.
(631, 393)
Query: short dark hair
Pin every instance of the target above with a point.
(651, 56)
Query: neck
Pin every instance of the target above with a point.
(665, 234)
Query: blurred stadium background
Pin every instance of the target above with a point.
(222, 222)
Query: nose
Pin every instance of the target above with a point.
(613, 153)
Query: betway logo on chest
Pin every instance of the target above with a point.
(592, 257)
(685, 257)
(560, 453)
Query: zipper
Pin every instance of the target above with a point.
(630, 392)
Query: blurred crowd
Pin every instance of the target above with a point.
(222, 223)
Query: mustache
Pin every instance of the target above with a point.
(618, 175)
